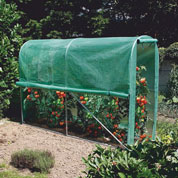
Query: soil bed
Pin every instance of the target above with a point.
(68, 151)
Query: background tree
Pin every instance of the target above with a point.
(94, 18)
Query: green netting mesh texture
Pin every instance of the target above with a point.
(95, 65)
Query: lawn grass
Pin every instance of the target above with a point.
(6, 172)
(15, 174)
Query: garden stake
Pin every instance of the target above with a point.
(66, 115)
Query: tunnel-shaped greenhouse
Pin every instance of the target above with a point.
(102, 66)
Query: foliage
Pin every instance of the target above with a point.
(169, 108)
(169, 104)
(35, 160)
(10, 43)
(141, 115)
(146, 159)
(45, 103)
(168, 132)
(171, 53)
(90, 18)
(172, 87)
(161, 55)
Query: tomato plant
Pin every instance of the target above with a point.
(109, 110)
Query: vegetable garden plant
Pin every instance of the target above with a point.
(110, 110)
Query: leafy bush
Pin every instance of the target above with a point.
(169, 108)
(172, 88)
(168, 132)
(10, 43)
(161, 55)
(171, 53)
(145, 160)
(168, 105)
(35, 160)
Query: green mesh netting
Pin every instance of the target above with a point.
(92, 65)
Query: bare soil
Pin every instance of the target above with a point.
(68, 151)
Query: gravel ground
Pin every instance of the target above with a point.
(68, 151)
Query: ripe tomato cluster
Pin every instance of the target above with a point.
(94, 129)
(57, 109)
(141, 101)
(120, 134)
(83, 99)
(31, 95)
(110, 116)
(145, 137)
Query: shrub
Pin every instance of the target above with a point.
(172, 88)
(171, 53)
(168, 132)
(145, 160)
(161, 55)
(35, 160)
(169, 109)
(10, 43)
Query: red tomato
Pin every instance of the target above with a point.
(29, 90)
(61, 123)
(142, 80)
(137, 68)
(58, 92)
(81, 98)
(122, 134)
(83, 102)
(138, 99)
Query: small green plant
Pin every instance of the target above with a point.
(35, 160)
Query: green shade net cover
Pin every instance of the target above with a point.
(91, 65)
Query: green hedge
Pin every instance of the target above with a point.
(171, 53)
(10, 44)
